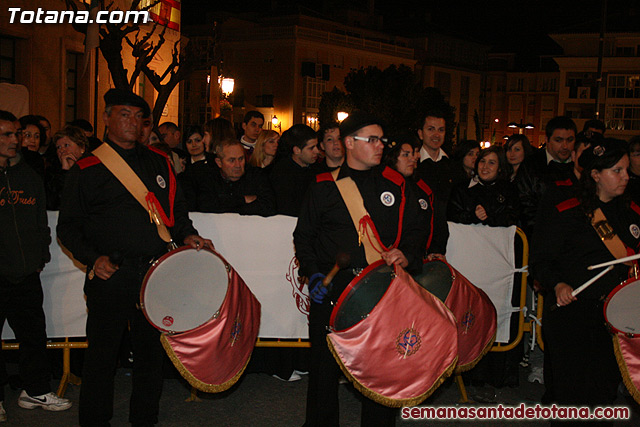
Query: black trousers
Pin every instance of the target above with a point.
(583, 364)
(21, 306)
(111, 309)
(324, 372)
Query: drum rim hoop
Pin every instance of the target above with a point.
(427, 261)
(348, 289)
(159, 261)
(614, 291)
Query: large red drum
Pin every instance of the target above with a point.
(208, 316)
(475, 314)
(184, 289)
(621, 316)
(621, 308)
(392, 339)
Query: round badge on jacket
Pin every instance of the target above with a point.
(423, 204)
(161, 182)
(387, 198)
(635, 230)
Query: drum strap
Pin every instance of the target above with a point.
(123, 172)
(355, 205)
(607, 235)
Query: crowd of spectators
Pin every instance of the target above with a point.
(264, 173)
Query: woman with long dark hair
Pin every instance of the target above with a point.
(488, 198)
(517, 148)
(574, 228)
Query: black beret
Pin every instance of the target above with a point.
(125, 97)
(602, 154)
(356, 121)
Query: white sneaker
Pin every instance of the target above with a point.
(3, 413)
(294, 377)
(536, 375)
(48, 402)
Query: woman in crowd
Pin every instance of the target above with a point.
(565, 242)
(517, 149)
(488, 198)
(400, 154)
(216, 131)
(70, 144)
(465, 155)
(265, 149)
(32, 135)
(195, 146)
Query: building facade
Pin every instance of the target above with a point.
(48, 59)
(619, 93)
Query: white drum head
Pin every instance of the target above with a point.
(184, 289)
(621, 311)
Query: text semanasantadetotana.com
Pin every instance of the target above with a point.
(521, 412)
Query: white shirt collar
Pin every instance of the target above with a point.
(247, 143)
(424, 155)
(551, 159)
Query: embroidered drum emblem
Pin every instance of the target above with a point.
(467, 321)
(423, 204)
(408, 342)
(387, 198)
(167, 321)
(236, 331)
(161, 182)
(635, 230)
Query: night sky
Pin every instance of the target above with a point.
(492, 21)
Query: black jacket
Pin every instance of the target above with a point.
(532, 180)
(325, 227)
(290, 182)
(98, 216)
(564, 242)
(24, 232)
(207, 191)
(498, 198)
(440, 176)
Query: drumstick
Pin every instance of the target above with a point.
(615, 261)
(586, 284)
(342, 261)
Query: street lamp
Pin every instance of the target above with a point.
(342, 115)
(275, 123)
(226, 85)
(520, 126)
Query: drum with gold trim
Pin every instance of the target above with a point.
(184, 289)
(474, 311)
(208, 316)
(621, 308)
(395, 344)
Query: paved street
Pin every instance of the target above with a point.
(261, 400)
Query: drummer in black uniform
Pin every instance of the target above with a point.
(108, 230)
(564, 244)
(325, 229)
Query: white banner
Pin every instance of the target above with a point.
(485, 256)
(260, 250)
